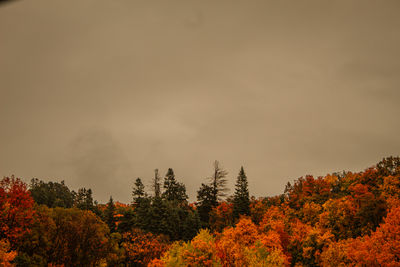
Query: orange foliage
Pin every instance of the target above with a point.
(140, 247)
(257, 210)
(202, 252)
(235, 244)
(274, 220)
(198, 252)
(6, 256)
(221, 216)
(381, 248)
(337, 216)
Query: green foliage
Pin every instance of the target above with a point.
(205, 202)
(156, 184)
(173, 191)
(84, 201)
(51, 194)
(241, 198)
(138, 192)
(109, 214)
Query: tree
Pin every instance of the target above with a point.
(6, 256)
(198, 252)
(35, 247)
(80, 238)
(51, 194)
(173, 190)
(84, 201)
(380, 248)
(109, 215)
(218, 182)
(246, 245)
(221, 216)
(140, 247)
(241, 198)
(156, 184)
(16, 209)
(389, 166)
(205, 203)
(138, 192)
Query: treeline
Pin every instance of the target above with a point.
(345, 219)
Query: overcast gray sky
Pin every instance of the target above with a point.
(99, 92)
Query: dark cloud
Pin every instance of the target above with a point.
(98, 160)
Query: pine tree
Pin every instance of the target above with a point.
(156, 184)
(173, 190)
(205, 203)
(241, 198)
(109, 215)
(84, 199)
(138, 192)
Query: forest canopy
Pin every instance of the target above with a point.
(341, 219)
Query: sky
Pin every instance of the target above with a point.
(99, 92)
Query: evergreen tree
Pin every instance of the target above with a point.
(173, 190)
(109, 215)
(51, 194)
(205, 203)
(241, 198)
(138, 192)
(84, 201)
(218, 183)
(156, 184)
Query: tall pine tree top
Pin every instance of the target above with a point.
(109, 215)
(138, 192)
(156, 184)
(172, 189)
(241, 198)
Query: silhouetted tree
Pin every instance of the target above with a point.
(138, 192)
(205, 202)
(109, 215)
(156, 184)
(84, 201)
(173, 190)
(51, 194)
(218, 183)
(241, 198)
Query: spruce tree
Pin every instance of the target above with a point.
(109, 215)
(205, 203)
(173, 190)
(241, 198)
(156, 184)
(138, 192)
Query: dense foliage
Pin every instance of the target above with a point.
(341, 219)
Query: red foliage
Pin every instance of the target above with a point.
(16, 209)
(221, 216)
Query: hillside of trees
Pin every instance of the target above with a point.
(341, 219)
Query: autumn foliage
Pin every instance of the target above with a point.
(15, 209)
(341, 219)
